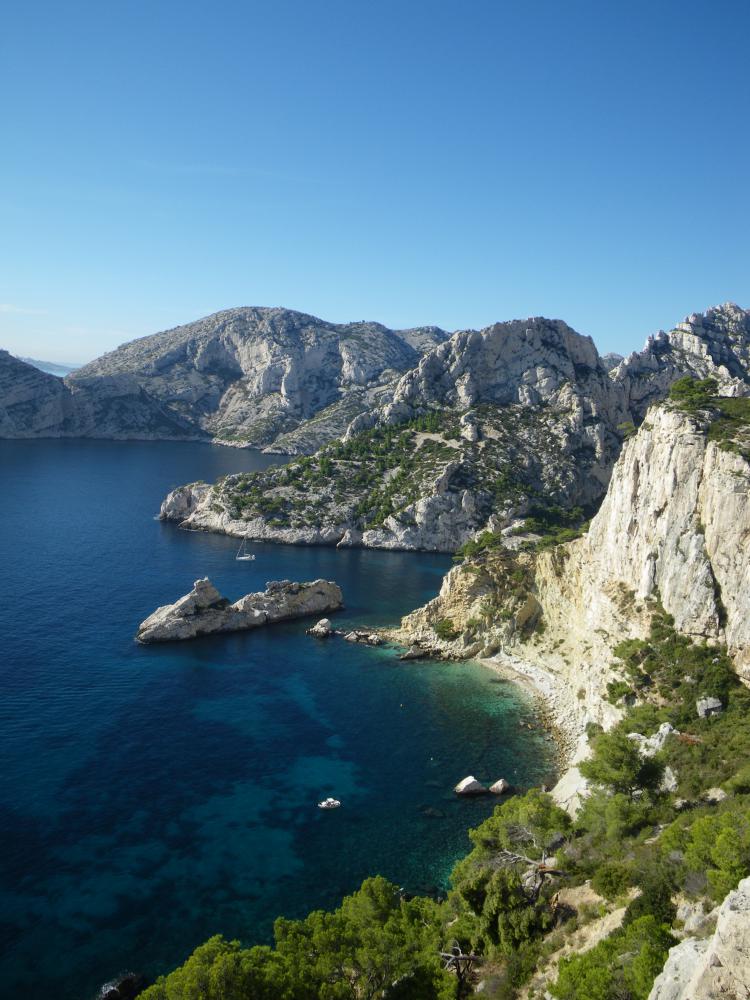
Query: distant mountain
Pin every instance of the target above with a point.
(290, 382)
(50, 367)
(261, 377)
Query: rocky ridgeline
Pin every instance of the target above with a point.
(472, 437)
(261, 377)
(204, 610)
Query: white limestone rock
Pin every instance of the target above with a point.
(321, 629)
(708, 706)
(501, 787)
(649, 746)
(470, 786)
(718, 966)
(204, 610)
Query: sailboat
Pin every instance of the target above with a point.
(242, 552)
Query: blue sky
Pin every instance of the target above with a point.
(411, 162)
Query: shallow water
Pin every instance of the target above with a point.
(152, 796)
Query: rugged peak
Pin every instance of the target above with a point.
(715, 343)
(521, 361)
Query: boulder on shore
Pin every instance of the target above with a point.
(470, 786)
(204, 610)
(501, 787)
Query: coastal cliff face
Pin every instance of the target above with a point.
(32, 402)
(484, 423)
(260, 377)
(673, 529)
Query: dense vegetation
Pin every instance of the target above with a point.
(638, 843)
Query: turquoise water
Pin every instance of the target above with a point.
(152, 796)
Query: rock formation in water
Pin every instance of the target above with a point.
(261, 377)
(486, 427)
(204, 610)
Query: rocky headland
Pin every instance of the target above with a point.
(489, 427)
(204, 610)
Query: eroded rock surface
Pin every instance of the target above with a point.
(204, 610)
(716, 967)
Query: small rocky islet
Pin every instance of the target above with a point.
(204, 611)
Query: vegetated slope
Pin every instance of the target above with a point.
(487, 428)
(251, 376)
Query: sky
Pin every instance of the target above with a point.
(412, 162)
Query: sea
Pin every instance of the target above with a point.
(151, 796)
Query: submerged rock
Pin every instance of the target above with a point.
(204, 610)
(125, 987)
(368, 638)
(470, 786)
(414, 653)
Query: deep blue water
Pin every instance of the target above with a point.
(152, 796)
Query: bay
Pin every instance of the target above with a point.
(153, 796)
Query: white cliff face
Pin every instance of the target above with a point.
(674, 526)
(714, 967)
(675, 523)
(252, 375)
(204, 610)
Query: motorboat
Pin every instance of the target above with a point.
(329, 803)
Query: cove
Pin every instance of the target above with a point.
(153, 796)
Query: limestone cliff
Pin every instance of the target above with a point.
(674, 527)
(712, 344)
(713, 967)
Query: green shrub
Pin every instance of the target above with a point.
(612, 879)
(446, 630)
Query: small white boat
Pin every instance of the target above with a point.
(242, 554)
(329, 803)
